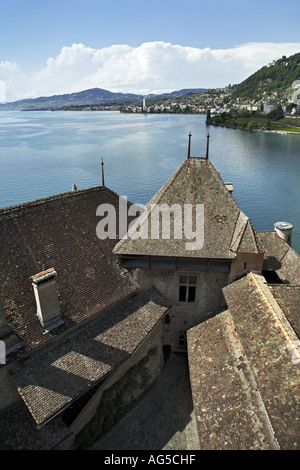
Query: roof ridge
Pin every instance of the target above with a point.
(237, 238)
(235, 244)
(54, 197)
(274, 308)
(253, 233)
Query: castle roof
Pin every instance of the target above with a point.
(226, 229)
(51, 380)
(57, 236)
(280, 257)
(244, 369)
(58, 232)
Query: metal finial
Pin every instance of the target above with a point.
(207, 146)
(102, 164)
(189, 146)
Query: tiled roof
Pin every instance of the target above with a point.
(226, 403)
(275, 249)
(280, 257)
(226, 229)
(58, 232)
(288, 298)
(245, 372)
(244, 237)
(69, 366)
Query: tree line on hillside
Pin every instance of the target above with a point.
(269, 79)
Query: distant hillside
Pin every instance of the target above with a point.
(271, 80)
(177, 94)
(92, 97)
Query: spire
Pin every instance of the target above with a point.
(102, 164)
(189, 146)
(207, 145)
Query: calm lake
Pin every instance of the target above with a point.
(44, 153)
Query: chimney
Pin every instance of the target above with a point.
(284, 231)
(229, 186)
(45, 291)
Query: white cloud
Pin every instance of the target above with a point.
(150, 67)
(2, 91)
(7, 67)
(13, 81)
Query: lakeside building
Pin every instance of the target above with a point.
(88, 323)
(270, 105)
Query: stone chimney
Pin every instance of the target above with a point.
(284, 231)
(45, 291)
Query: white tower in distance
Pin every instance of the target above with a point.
(144, 104)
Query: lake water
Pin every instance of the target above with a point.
(44, 153)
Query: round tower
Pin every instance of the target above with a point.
(284, 231)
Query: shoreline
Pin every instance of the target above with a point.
(267, 131)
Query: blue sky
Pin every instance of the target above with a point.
(167, 44)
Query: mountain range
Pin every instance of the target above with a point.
(91, 97)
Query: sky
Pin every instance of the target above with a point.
(52, 47)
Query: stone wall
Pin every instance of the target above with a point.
(8, 391)
(184, 315)
(119, 391)
(244, 263)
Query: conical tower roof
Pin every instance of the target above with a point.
(226, 229)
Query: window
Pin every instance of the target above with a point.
(187, 288)
(167, 273)
(182, 340)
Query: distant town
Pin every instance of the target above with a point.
(222, 109)
(216, 101)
